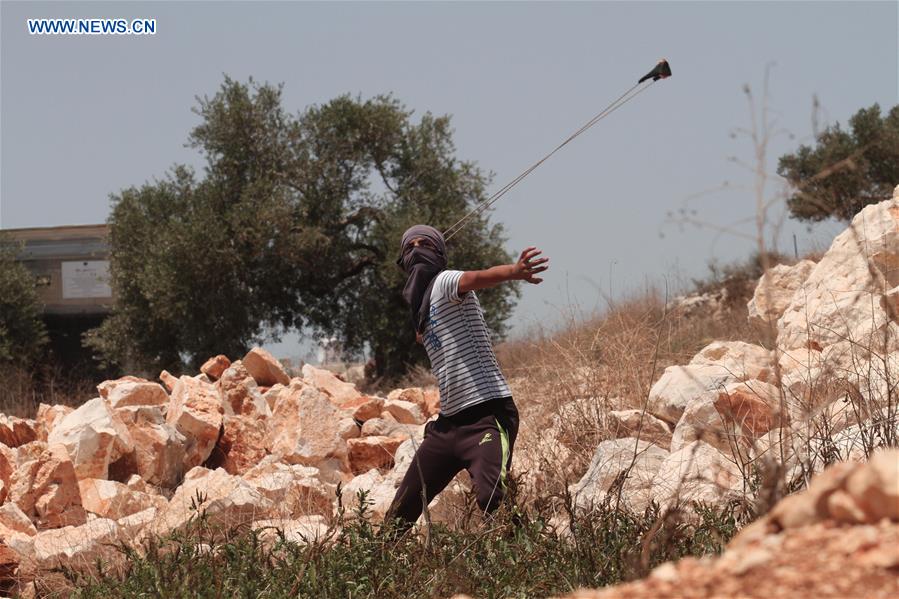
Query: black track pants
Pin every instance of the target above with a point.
(479, 439)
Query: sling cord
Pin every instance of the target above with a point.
(618, 103)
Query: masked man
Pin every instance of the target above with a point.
(478, 421)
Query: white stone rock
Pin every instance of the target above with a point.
(734, 416)
(302, 530)
(49, 416)
(697, 473)
(265, 368)
(159, 449)
(842, 297)
(775, 290)
(293, 489)
(75, 544)
(240, 393)
(196, 412)
(636, 423)
(610, 460)
(225, 499)
(94, 437)
(14, 520)
(679, 385)
(114, 500)
(133, 391)
(742, 361)
(405, 412)
(305, 428)
(131, 526)
(45, 487)
(16, 431)
(338, 391)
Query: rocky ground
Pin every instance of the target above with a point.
(252, 445)
(840, 538)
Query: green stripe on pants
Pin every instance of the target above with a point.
(504, 440)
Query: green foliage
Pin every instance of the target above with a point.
(295, 224)
(22, 331)
(846, 170)
(523, 556)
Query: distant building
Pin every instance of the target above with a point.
(71, 270)
(70, 266)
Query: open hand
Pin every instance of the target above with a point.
(529, 265)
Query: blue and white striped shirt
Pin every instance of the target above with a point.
(457, 340)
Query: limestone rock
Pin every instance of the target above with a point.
(227, 500)
(159, 449)
(16, 431)
(742, 361)
(370, 408)
(405, 412)
(133, 391)
(610, 461)
(348, 429)
(293, 489)
(372, 452)
(874, 487)
(7, 465)
(14, 520)
(378, 491)
(678, 385)
(241, 445)
(114, 500)
(338, 391)
(25, 453)
(696, 472)
(301, 531)
(739, 413)
(305, 428)
(381, 488)
(775, 291)
(265, 368)
(131, 526)
(240, 393)
(215, 366)
(382, 427)
(9, 566)
(842, 298)
(168, 379)
(195, 411)
(272, 394)
(49, 416)
(75, 544)
(46, 489)
(94, 436)
(417, 396)
(636, 423)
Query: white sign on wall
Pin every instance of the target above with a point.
(85, 279)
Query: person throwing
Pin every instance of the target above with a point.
(478, 420)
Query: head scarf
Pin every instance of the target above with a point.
(421, 264)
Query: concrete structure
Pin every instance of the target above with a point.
(71, 269)
(70, 265)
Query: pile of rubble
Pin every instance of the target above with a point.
(828, 390)
(257, 446)
(838, 538)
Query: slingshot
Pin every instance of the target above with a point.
(661, 71)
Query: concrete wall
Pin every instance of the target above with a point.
(70, 265)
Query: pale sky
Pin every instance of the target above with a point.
(82, 117)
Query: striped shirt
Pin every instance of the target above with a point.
(458, 343)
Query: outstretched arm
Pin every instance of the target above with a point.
(528, 266)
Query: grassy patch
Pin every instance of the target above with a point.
(505, 556)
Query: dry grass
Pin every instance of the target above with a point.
(22, 390)
(567, 380)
